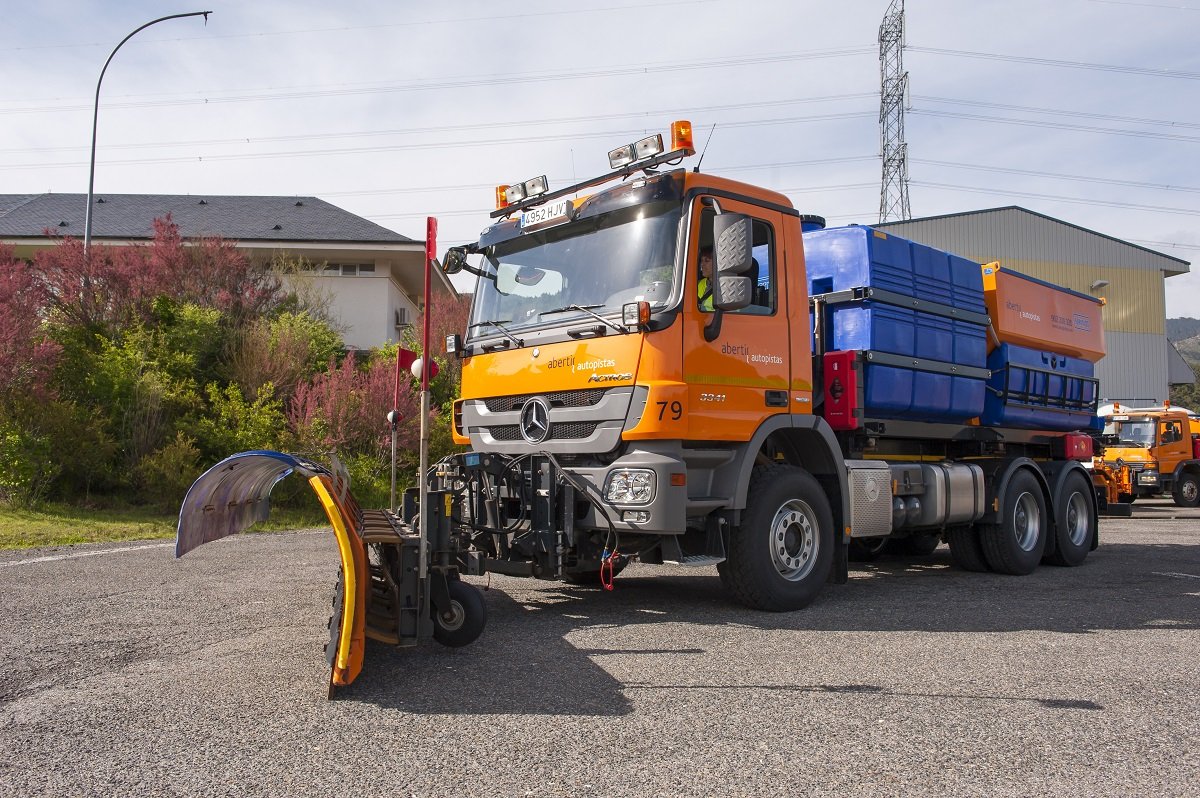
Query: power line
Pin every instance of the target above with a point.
(1056, 198)
(562, 180)
(1058, 176)
(1058, 112)
(1022, 59)
(385, 25)
(1144, 134)
(469, 81)
(429, 145)
(473, 126)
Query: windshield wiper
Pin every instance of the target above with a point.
(498, 324)
(588, 310)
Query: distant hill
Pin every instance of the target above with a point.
(1182, 329)
(1189, 348)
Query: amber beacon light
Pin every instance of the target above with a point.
(681, 136)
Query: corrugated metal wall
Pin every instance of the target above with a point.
(1135, 367)
(1134, 370)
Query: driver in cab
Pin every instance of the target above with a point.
(704, 284)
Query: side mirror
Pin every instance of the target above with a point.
(455, 260)
(732, 258)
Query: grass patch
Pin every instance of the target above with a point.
(62, 525)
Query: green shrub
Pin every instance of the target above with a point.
(164, 477)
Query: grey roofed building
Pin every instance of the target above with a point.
(374, 276)
(131, 216)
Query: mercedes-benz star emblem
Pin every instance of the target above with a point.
(535, 420)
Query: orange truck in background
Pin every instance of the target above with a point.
(1152, 451)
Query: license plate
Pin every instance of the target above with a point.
(547, 214)
(1148, 479)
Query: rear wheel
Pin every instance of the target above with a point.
(1015, 545)
(781, 554)
(1074, 521)
(966, 550)
(1186, 492)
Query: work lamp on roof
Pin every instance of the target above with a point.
(621, 156)
(647, 147)
(515, 193)
(535, 186)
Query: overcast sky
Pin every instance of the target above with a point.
(1086, 110)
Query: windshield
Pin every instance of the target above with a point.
(1134, 433)
(599, 263)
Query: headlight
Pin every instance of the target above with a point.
(630, 486)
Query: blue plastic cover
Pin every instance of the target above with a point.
(1034, 389)
(233, 495)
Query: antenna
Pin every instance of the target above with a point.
(703, 151)
(893, 194)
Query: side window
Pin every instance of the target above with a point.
(762, 270)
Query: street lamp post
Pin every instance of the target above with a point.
(87, 218)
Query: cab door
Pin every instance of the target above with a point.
(1174, 444)
(741, 376)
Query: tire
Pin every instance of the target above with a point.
(918, 544)
(866, 549)
(1074, 522)
(966, 550)
(1126, 498)
(780, 556)
(1015, 545)
(1186, 492)
(469, 614)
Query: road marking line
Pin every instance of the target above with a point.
(1177, 576)
(57, 557)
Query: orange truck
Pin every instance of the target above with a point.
(674, 367)
(1153, 451)
(815, 396)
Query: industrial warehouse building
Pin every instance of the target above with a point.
(1140, 363)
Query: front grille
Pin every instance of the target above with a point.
(582, 398)
(562, 431)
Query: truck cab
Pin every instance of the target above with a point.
(1159, 447)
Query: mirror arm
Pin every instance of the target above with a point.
(712, 330)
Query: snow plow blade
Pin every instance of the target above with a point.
(235, 493)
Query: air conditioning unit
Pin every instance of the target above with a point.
(402, 319)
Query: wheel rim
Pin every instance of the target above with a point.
(794, 540)
(1189, 490)
(453, 620)
(1027, 521)
(1079, 521)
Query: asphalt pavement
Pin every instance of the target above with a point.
(131, 673)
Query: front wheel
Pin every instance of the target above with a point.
(1187, 490)
(463, 622)
(781, 554)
